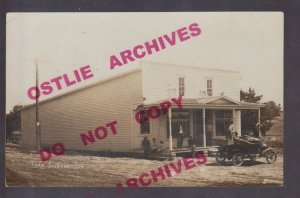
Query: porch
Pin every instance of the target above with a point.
(202, 121)
(178, 152)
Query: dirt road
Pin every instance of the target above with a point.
(24, 169)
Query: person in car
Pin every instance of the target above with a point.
(244, 139)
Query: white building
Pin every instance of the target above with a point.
(210, 102)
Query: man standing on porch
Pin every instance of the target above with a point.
(180, 137)
(209, 132)
(230, 131)
(146, 146)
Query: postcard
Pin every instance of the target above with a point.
(144, 99)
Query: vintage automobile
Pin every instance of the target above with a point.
(245, 147)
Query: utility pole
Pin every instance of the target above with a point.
(170, 128)
(170, 123)
(38, 134)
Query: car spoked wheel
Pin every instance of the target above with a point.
(238, 159)
(271, 157)
(220, 158)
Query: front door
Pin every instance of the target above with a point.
(198, 127)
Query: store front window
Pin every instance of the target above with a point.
(223, 120)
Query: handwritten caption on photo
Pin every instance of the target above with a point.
(56, 165)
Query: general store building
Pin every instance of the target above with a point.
(211, 101)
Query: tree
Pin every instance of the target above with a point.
(270, 111)
(250, 96)
(13, 121)
(250, 117)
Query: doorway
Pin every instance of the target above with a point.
(198, 128)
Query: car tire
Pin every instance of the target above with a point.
(238, 159)
(220, 158)
(271, 157)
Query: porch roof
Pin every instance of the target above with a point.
(213, 102)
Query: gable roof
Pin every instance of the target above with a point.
(187, 66)
(210, 102)
(217, 100)
(84, 87)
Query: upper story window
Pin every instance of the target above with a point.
(181, 86)
(209, 88)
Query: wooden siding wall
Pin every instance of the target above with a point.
(64, 118)
(157, 78)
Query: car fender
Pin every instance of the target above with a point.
(266, 150)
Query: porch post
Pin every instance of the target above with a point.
(233, 120)
(204, 133)
(170, 129)
(259, 132)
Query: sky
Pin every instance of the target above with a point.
(248, 42)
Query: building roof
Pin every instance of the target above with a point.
(117, 76)
(84, 87)
(210, 102)
(190, 66)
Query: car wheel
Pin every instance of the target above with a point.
(220, 157)
(252, 158)
(271, 157)
(238, 159)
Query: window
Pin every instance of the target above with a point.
(223, 120)
(145, 128)
(209, 88)
(181, 86)
(179, 118)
